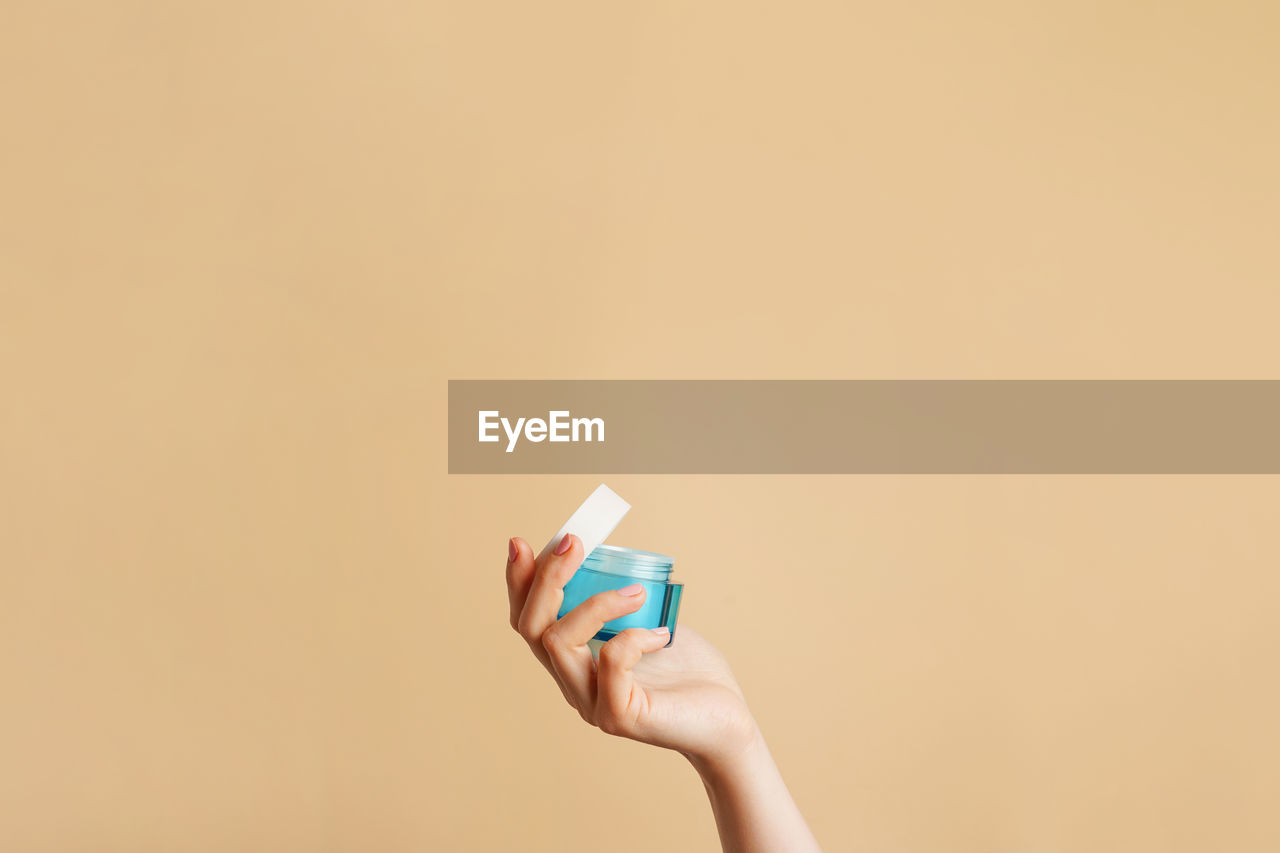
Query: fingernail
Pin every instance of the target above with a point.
(513, 550)
(664, 630)
(565, 544)
(634, 589)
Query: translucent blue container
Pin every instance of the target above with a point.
(610, 567)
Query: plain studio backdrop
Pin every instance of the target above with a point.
(244, 245)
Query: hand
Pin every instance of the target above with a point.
(680, 697)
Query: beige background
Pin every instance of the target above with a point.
(243, 245)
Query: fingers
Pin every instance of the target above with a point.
(520, 568)
(603, 694)
(618, 702)
(546, 593)
(566, 641)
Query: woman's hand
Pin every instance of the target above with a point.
(681, 697)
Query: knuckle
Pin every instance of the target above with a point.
(553, 576)
(599, 603)
(608, 653)
(525, 630)
(613, 653)
(551, 639)
(611, 724)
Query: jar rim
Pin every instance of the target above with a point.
(634, 556)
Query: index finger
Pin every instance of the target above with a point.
(520, 566)
(546, 593)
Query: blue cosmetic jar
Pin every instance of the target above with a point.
(610, 567)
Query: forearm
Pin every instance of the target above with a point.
(754, 810)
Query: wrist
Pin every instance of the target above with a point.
(733, 758)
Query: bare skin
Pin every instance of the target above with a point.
(681, 697)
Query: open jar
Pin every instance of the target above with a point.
(611, 567)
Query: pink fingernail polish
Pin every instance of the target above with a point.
(513, 550)
(633, 589)
(565, 543)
